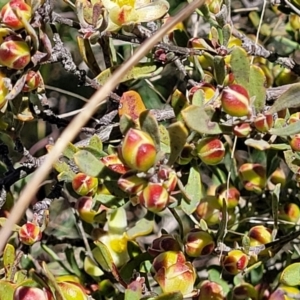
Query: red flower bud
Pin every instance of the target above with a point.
(235, 262)
(113, 162)
(84, 185)
(290, 212)
(138, 150)
(9, 18)
(198, 242)
(167, 259)
(168, 178)
(294, 118)
(33, 81)
(295, 142)
(178, 277)
(154, 197)
(84, 206)
(253, 177)
(242, 130)
(211, 150)
(236, 101)
(32, 293)
(30, 233)
(231, 195)
(211, 290)
(263, 122)
(209, 210)
(14, 53)
(259, 235)
(131, 184)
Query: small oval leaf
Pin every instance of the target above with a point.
(291, 275)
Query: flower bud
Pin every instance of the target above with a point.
(235, 262)
(138, 150)
(211, 290)
(236, 101)
(259, 235)
(231, 195)
(154, 197)
(294, 118)
(198, 242)
(278, 176)
(245, 291)
(84, 185)
(173, 273)
(167, 259)
(84, 206)
(167, 177)
(9, 18)
(131, 184)
(253, 177)
(290, 212)
(114, 163)
(32, 293)
(162, 244)
(14, 53)
(242, 130)
(207, 89)
(211, 151)
(33, 81)
(30, 233)
(72, 290)
(263, 122)
(209, 210)
(295, 142)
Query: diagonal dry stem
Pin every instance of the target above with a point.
(80, 120)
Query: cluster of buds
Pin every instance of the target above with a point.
(138, 152)
(210, 150)
(84, 185)
(30, 233)
(235, 101)
(173, 273)
(253, 177)
(198, 243)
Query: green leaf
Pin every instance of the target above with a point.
(256, 88)
(91, 166)
(240, 66)
(290, 159)
(216, 276)
(70, 256)
(219, 69)
(193, 189)
(289, 99)
(291, 275)
(197, 119)
(126, 123)
(288, 130)
(139, 71)
(103, 256)
(91, 268)
(222, 231)
(258, 144)
(170, 296)
(226, 30)
(6, 290)
(70, 151)
(133, 294)
(141, 228)
(149, 124)
(9, 257)
(178, 135)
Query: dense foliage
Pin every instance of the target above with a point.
(184, 184)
